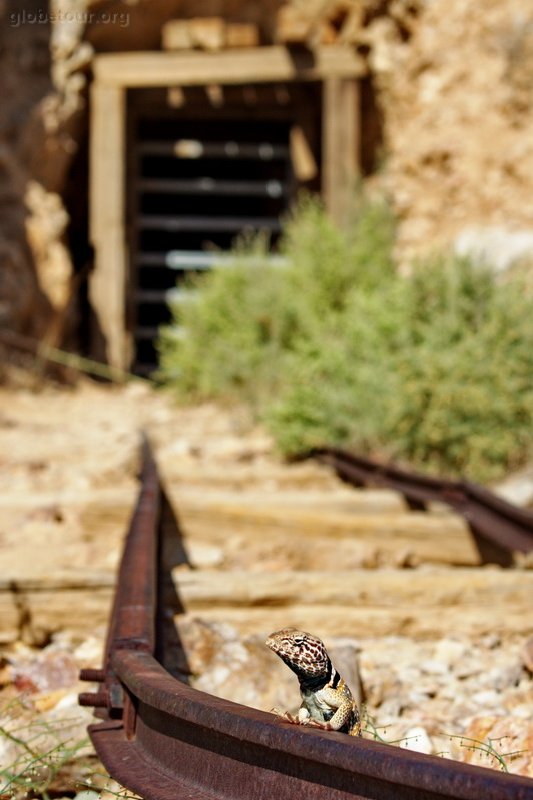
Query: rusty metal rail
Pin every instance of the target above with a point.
(500, 528)
(167, 741)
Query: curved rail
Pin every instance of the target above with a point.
(500, 528)
(167, 741)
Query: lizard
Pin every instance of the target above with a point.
(327, 702)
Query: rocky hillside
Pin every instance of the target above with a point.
(458, 101)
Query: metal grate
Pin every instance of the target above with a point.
(197, 185)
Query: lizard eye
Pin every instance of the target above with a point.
(298, 640)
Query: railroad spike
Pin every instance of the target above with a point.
(92, 675)
(95, 699)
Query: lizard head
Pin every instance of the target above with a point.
(305, 654)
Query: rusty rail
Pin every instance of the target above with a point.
(167, 741)
(500, 528)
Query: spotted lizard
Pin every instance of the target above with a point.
(327, 702)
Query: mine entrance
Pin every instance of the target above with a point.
(189, 150)
(224, 162)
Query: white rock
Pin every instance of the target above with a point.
(8, 753)
(417, 739)
(468, 669)
(498, 247)
(487, 699)
(87, 794)
(504, 676)
(68, 701)
(204, 555)
(449, 651)
(89, 651)
(523, 711)
(181, 447)
(418, 697)
(433, 666)
(491, 640)
(235, 652)
(517, 489)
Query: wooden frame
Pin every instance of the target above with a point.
(246, 65)
(339, 67)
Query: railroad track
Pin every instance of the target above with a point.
(499, 527)
(163, 739)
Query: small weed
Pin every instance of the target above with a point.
(488, 749)
(374, 731)
(104, 787)
(40, 750)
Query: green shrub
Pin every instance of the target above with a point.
(340, 381)
(236, 331)
(466, 388)
(249, 316)
(336, 347)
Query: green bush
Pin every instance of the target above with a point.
(250, 316)
(340, 380)
(336, 347)
(236, 331)
(466, 372)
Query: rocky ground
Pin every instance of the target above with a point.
(436, 646)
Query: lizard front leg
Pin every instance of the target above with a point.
(285, 716)
(315, 723)
(302, 718)
(344, 708)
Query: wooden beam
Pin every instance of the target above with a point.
(303, 160)
(427, 623)
(244, 66)
(317, 533)
(484, 589)
(242, 34)
(421, 603)
(340, 136)
(36, 614)
(208, 33)
(352, 28)
(293, 25)
(307, 498)
(176, 35)
(107, 206)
